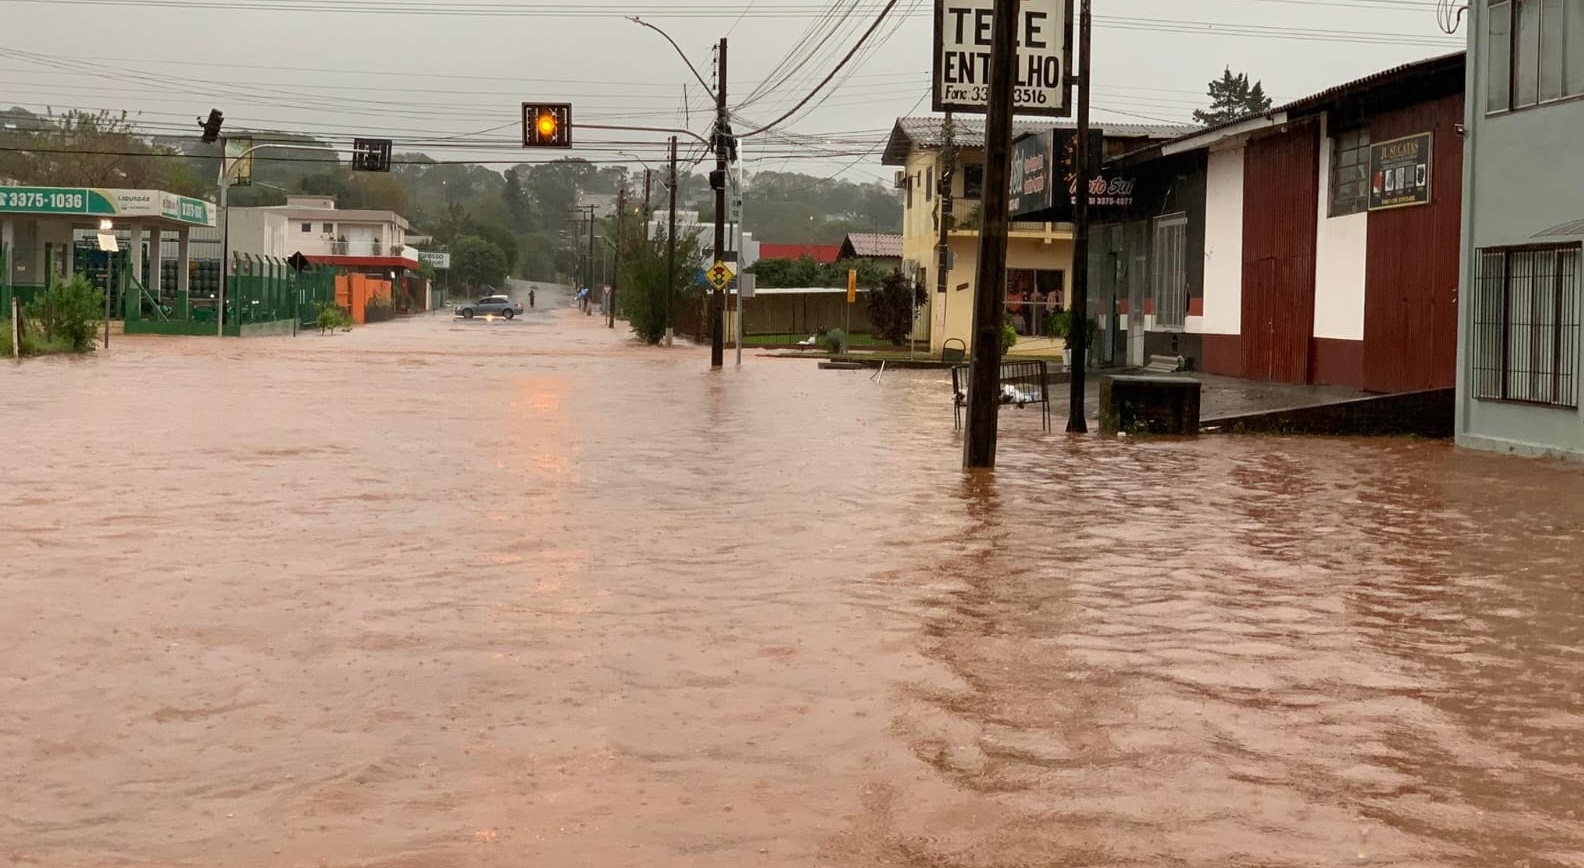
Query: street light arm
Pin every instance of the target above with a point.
(680, 132)
(227, 163)
(639, 21)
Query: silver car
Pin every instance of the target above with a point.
(490, 305)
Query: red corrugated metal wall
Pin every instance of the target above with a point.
(1281, 201)
(1411, 269)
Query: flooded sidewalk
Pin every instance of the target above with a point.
(436, 593)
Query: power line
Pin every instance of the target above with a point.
(891, 4)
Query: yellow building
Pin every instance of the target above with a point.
(1039, 255)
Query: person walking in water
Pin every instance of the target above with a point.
(530, 299)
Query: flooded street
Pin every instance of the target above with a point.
(436, 593)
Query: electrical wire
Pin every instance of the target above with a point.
(890, 4)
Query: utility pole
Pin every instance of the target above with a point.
(589, 300)
(718, 180)
(648, 189)
(621, 214)
(943, 264)
(1076, 423)
(984, 392)
(671, 243)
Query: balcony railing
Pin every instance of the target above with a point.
(357, 248)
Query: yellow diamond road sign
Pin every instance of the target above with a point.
(720, 274)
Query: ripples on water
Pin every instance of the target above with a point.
(435, 595)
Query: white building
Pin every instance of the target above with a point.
(688, 221)
(373, 241)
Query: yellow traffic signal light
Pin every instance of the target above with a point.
(547, 125)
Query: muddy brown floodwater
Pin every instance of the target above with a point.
(439, 594)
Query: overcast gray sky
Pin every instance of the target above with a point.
(420, 71)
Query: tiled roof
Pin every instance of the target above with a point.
(930, 132)
(875, 246)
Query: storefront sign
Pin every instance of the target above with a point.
(436, 260)
(1031, 171)
(962, 57)
(1045, 179)
(1400, 172)
(105, 203)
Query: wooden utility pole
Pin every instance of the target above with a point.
(621, 216)
(948, 170)
(671, 243)
(984, 381)
(1076, 423)
(718, 180)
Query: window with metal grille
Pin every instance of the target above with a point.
(1350, 156)
(1171, 271)
(1526, 325)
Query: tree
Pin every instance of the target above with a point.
(891, 307)
(1231, 98)
(645, 297)
(805, 272)
(501, 237)
(518, 205)
(476, 262)
(788, 273)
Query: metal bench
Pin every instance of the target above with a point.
(1022, 383)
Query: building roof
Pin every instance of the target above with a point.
(1452, 62)
(873, 246)
(818, 252)
(301, 212)
(1410, 78)
(930, 132)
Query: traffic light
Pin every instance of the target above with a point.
(547, 125)
(211, 127)
(371, 155)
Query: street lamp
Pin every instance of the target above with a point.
(224, 182)
(105, 228)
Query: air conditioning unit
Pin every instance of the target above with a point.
(901, 181)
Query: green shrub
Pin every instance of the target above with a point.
(67, 315)
(836, 342)
(328, 317)
(1009, 337)
(33, 343)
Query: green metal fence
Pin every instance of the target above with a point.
(265, 289)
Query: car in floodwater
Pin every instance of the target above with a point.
(490, 305)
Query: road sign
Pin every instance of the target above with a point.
(747, 284)
(719, 275)
(962, 57)
(852, 285)
(298, 262)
